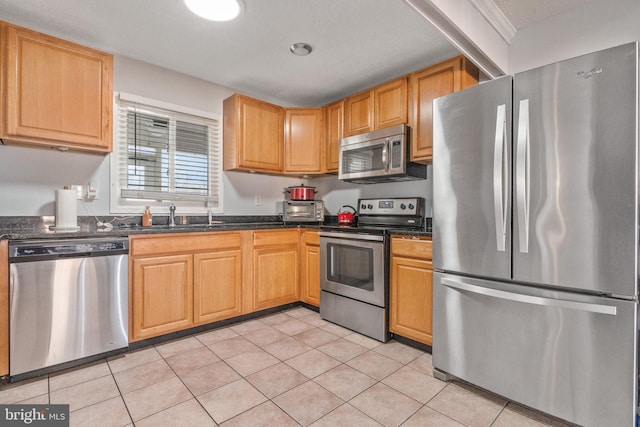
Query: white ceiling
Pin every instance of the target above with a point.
(356, 43)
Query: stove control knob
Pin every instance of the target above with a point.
(411, 206)
(403, 206)
(370, 206)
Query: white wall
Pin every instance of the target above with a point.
(336, 193)
(29, 177)
(596, 25)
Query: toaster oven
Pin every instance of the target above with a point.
(303, 211)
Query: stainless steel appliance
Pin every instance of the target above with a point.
(68, 301)
(354, 264)
(536, 237)
(303, 211)
(378, 156)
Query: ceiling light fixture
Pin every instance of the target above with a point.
(300, 49)
(215, 10)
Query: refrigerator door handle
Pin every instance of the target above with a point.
(500, 169)
(530, 299)
(522, 175)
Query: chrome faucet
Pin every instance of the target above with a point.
(172, 215)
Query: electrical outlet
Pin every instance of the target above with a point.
(258, 200)
(92, 192)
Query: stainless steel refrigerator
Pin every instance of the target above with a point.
(535, 237)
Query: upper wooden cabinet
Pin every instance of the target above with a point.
(426, 85)
(253, 135)
(303, 141)
(377, 108)
(334, 131)
(55, 93)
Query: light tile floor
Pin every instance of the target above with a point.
(286, 369)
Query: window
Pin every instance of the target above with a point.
(164, 153)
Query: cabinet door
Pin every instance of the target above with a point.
(57, 93)
(310, 272)
(358, 113)
(334, 133)
(303, 146)
(275, 276)
(253, 135)
(390, 104)
(217, 286)
(426, 85)
(162, 295)
(410, 298)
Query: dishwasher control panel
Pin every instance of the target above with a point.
(67, 247)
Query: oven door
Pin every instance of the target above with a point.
(353, 265)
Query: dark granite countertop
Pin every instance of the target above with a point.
(33, 227)
(36, 227)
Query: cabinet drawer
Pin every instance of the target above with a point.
(275, 237)
(188, 242)
(311, 238)
(411, 247)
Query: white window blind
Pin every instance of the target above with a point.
(167, 155)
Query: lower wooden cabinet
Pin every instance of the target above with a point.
(275, 268)
(183, 280)
(310, 267)
(217, 286)
(162, 294)
(177, 281)
(411, 289)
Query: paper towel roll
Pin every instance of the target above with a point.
(66, 209)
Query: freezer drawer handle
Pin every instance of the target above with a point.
(500, 169)
(529, 299)
(522, 175)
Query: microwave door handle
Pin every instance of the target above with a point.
(385, 155)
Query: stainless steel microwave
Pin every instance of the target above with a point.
(378, 156)
(303, 211)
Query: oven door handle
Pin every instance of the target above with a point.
(352, 236)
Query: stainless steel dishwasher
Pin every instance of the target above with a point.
(68, 301)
